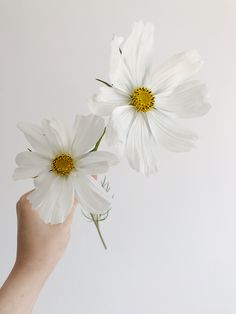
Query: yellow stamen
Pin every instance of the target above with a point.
(63, 164)
(143, 99)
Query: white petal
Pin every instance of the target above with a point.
(87, 130)
(32, 159)
(26, 173)
(107, 100)
(62, 134)
(91, 195)
(52, 198)
(115, 58)
(169, 133)
(34, 134)
(187, 100)
(100, 108)
(141, 148)
(119, 148)
(119, 124)
(47, 200)
(96, 162)
(30, 164)
(57, 135)
(137, 51)
(120, 74)
(174, 72)
(42, 188)
(64, 202)
(112, 95)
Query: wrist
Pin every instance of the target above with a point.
(34, 267)
(22, 287)
(41, 260)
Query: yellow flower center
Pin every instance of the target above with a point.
(63, 165)
(143, 99)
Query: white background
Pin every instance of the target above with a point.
(172, 236)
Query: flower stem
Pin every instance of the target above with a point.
(96, 222)
(107, 84)
(99, 141)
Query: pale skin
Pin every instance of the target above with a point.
(39, 247)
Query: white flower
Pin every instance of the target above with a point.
(62, 165)
(107, 188)
(143, 105)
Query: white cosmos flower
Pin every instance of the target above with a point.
(62, 165)
(143, 105)
(107, 188)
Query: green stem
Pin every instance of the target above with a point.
(98, 230)
(107, 84)
(93, 217)
(99, 141)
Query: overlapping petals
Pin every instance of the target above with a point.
(54, 193)
(138, 134)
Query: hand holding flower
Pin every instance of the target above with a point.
(40, 245)
(39, 248)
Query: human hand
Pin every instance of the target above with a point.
(39, 248)
(40, 245)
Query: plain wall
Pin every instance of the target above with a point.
(172, 236)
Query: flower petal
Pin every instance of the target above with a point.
(169, 133)
(100, 108)
(107, 99)
(96, 162)
(43, 187)
(115, 58)
(32, 159)
(174, 72)
(129, 66)
(64, 202)
(26, 173)
(87, 131)
(57, 135)
(52, 198)
(137, 51)
(119, 124)
(141, 148)
(36, 138)
(187, 101)
(120, 75)
(91, 195)
(30, 164)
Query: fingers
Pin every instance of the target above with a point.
(24, 198)
(23, 206)
(23, 202)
